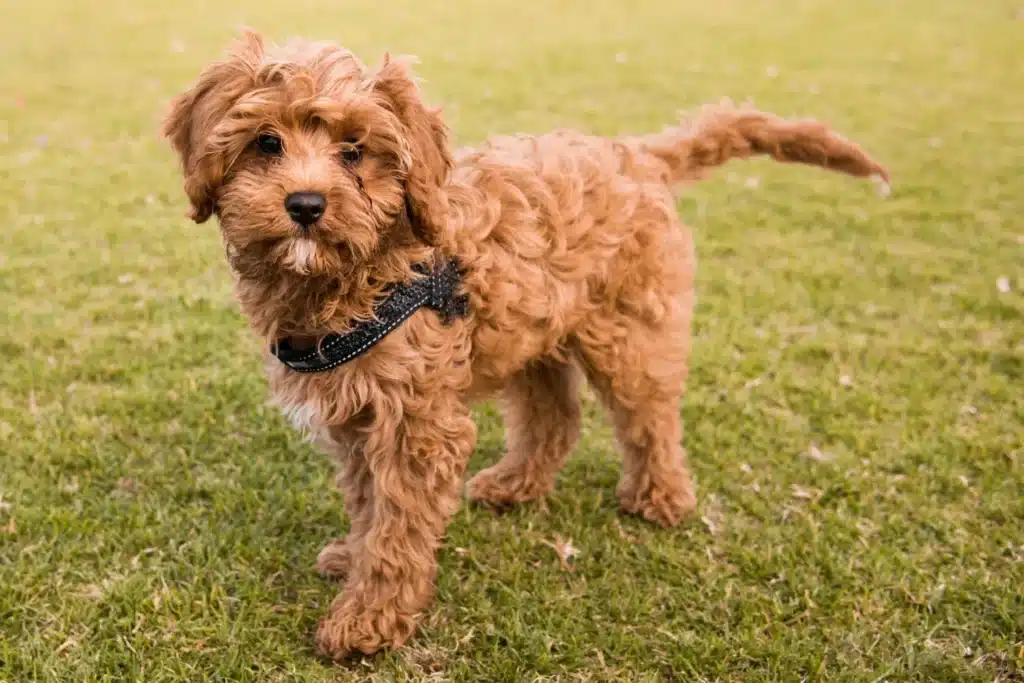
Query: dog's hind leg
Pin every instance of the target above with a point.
(639, 372)
(542, 423)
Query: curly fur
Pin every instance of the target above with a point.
(577, 265)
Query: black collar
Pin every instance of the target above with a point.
(436, 291)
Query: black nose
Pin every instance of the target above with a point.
(305, 208)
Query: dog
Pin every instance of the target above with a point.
(396, 282)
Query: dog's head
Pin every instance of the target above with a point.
(309, 159)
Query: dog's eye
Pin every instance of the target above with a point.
(268, 143)
(351, 153)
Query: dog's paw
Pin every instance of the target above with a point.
(338, 639)
(351, 630)
(663, 507)
(500, 487)
(335, 560)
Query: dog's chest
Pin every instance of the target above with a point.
(305, 416)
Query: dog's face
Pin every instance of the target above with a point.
(310, 161)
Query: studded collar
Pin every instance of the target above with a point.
(438, 290)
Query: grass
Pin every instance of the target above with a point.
(158, 523)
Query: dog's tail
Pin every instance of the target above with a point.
(722, 132)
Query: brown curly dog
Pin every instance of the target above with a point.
(335, 184)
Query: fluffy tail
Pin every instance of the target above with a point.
(723, 132)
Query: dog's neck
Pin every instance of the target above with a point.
(281, 303)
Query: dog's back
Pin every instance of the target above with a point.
(561, 228)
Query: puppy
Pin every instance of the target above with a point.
(396, 282)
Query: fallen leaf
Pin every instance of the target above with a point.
(713, 518)
(771, 71)
(621, 57)
(814, 453)
(1003, 285)
(746, 468)
(138, 558)
(93, 591)
(624, 534)
(126, 484)
(710, 524)
(125, 278)
(668, 634)
(801, 492)
(752, 183)
(756, 382)
(867, 528)
(564, 549)
(157, 598)
(70, 642)
(935, 143)
(845, 381)
(10, 527)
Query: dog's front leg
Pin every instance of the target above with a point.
(416, 451)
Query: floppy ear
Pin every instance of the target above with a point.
(195, 113)
(427, 157)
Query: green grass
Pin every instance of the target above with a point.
(159, 523)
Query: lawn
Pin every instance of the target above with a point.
(855, 411)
